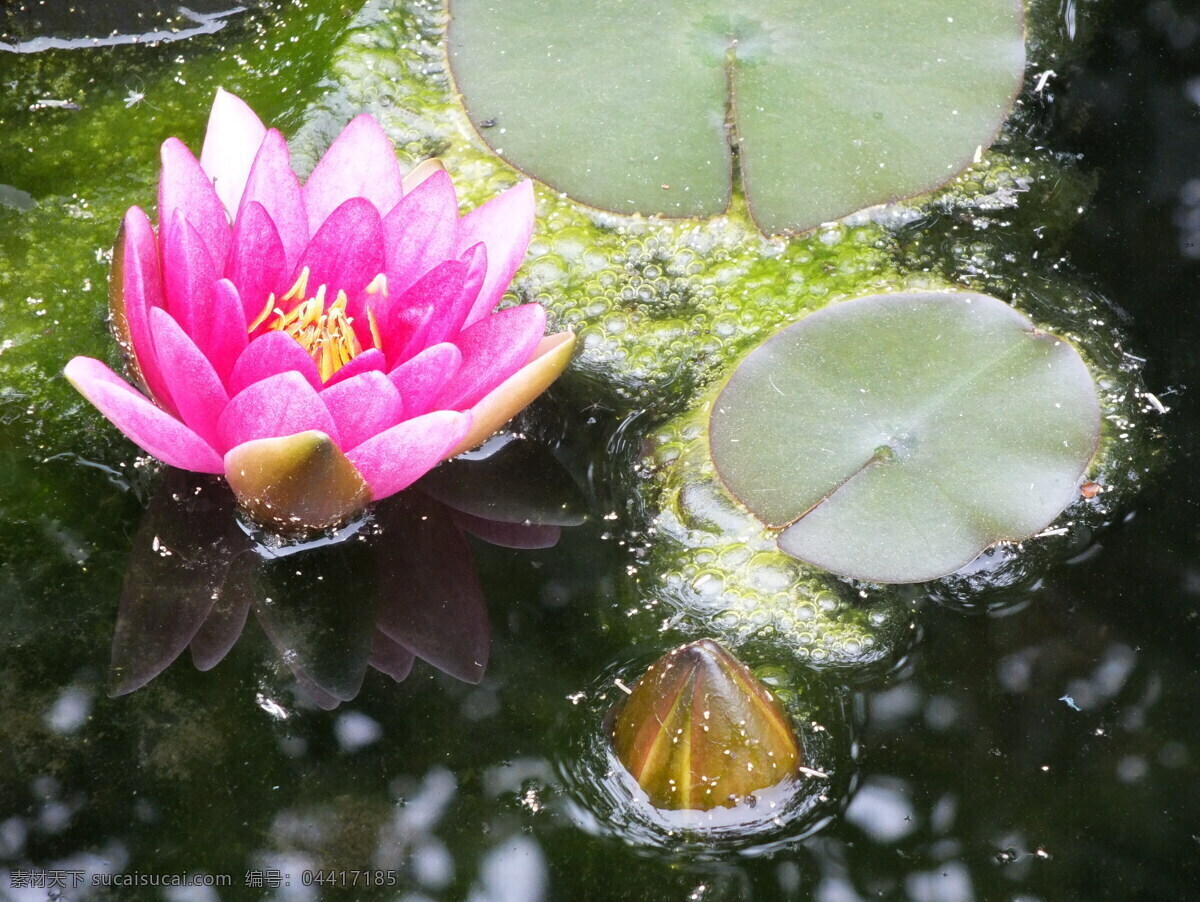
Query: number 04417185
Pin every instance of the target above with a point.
(349, 878)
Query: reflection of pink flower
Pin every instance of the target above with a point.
(334, 342)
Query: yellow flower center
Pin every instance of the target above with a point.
(325, 332)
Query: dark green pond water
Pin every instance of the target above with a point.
(1048, 750)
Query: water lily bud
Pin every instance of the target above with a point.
(699, 731)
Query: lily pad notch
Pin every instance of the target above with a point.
(895, 437)
(826, 108)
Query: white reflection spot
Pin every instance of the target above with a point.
(70, 710)
(355, 730)
(883, 810)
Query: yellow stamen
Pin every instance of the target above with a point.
(326, 333)
(266, 311)
(297, 290)
(378, 285)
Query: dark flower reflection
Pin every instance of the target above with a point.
(380, 592)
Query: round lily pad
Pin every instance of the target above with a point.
(638, 107)
(894, 437)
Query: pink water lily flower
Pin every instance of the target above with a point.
(321, 345)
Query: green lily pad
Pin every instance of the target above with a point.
(894, 437)
(831, 107)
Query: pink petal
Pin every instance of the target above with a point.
(346, 253)
(370, 360)
(188, 276)
(363, 406)
(273, 184)
(277, 406)
(451, 312)
(190, 377)
(269, 355)
(505, 225)
(185, 188)
(401, 333)
(233, 137)
(149, 427)
(257, 265)
(421, 378)
(227, 337)
(356, 311)
(516, 392)
(404, 320)
(359, 163)
(396, 458)
(208, 310)
(420, 232)
(477, 259)
(141, 289)
(493, 349)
